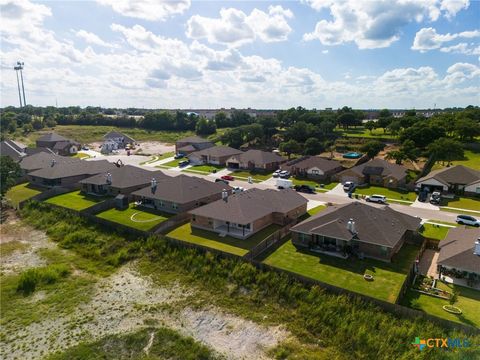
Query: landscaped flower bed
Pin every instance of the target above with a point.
(426, 286)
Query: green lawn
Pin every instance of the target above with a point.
(170, 164)
(360, 131)
(312, 212)
(256, 175)
(75, 200)
(463, 203)
(389, 193)
(81, 156)
(207, 169)
(166, 155)
(144, 218)
(315, 184)
(227, 244)
(468, 302)
(435, 232)
(471, 160)
(21, 192)
(348, 274)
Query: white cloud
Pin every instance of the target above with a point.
(462, 48)
(374, 24)
(92, 38)
(235, 28)
(428, 39)
(452, 7)
(148, 9)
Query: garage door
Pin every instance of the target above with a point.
(346, 178)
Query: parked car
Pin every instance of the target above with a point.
(284, 174)
(85, 147)
(183, 163)
(284, 184)
(435, 198)
(467, 220)
(305, 189)
(179, 156)
(228, 177)
(222, 180)
(348, 186)
(422, 196)
(238, 189)
(276, 173)
(380, 199)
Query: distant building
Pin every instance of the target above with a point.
(313, 167)
(215, 155)
(191, 144)
(453, 179)
(256, 160)
(121, 140)
(58, 144)
(13, 149)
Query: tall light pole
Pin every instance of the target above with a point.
(16, 68)
(20, 65)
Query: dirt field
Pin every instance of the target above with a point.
(123, 302)
(145, 147)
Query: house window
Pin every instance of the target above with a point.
(478, 190)
(194, 218)
(175, 206)
(315, 171)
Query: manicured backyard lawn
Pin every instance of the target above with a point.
(348, 274)
(135, 217)
(434, 231)
(312, 212)
(227, 244)
(21, 192)
(207, 169)
(468, 302)
(314, 184)
(74, 200)
(360, 131)
(463, 203)
(257, 176)
(389, 193)
(471, 160)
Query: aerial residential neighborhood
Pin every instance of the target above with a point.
(239, 180)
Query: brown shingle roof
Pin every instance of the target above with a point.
(380, 226)
(125, 177)
(53, 137)
(458, 174)
(115, 134)
(456, 250)
(216, 151)
(182, 189)
(380, 167)
(259, 157)
(68, 169)
(314, 161)
(251, 205)
(44, 159)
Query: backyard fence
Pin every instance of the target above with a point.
(169, 224)
(47, 194)
(269, 243)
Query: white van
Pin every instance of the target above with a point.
(284, 184)
(377, 199)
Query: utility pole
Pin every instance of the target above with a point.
(20, 65)
(16, 68)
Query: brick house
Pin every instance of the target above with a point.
(191, 144)
(313, 167)
(215, 155)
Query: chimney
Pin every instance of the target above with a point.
(53, 162)
(153, 185)
(109, 178)
(224, 195)
(351, 226)
(476, 250)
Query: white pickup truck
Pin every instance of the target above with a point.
(284, 184)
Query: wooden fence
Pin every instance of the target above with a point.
(165, 226)
(269, 242)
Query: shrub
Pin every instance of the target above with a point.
(28, 281)
(31, 278)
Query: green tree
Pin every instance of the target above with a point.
(313, 146)
(394, 127)
(205, 127)
(410, 150)
(9, 172)
(290, 147)
(37, 124)
(372, 148)
(466, 129)
(221, 120)
(396, 155)
(445, 150)
(370, 125)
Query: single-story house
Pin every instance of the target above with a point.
(59, 144)
(460, 253)
(356, 228)
(453, 179)
(313, 167)
(191, 144)
(215, 155)
(123, 180)
(68, 173)
(13, 149)
(44, 159)
(256, 160)
(243, 214)
(375, 172)
(114, 140)
(180, 193)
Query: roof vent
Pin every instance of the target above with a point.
(351, 226)
(225, 195)
(53, 162)
(109, 178)
(153, 185)
(476, 251)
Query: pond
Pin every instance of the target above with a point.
(352, 155)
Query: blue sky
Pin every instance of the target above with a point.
(204, 54)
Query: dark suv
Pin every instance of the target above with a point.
(305, 189)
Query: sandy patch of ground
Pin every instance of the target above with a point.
(127, 301)
(144, 147)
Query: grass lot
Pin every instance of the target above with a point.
(471, 160)
(256, 175)
(207, 169)
(389, 193)
(21, 192)
(166, 155)
(314, 184)
(227, 244)
(170, 164)
(144, 218)
(435, 232)
(348, 274)
(81, 156)
(468, 302)
(463, 203)
(74, 200)
(360, 131)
